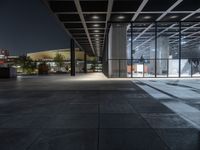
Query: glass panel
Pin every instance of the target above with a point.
(149, 68)
(129, 68)
(129, 47)
(123, 68)
(162, 67)
(138, 68)
(190, 49)
(185, 68)
(114, 66)
(143, 49)
(195, 67)
(167, 48)
(173, 68)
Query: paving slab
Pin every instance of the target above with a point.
(88, 113)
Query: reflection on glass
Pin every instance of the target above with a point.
(185, 68)
(195, 63)
(173, 68)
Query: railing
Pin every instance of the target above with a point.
(152, 68)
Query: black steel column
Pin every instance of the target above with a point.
(131, 50)
(167, 67)
(179, 50)
(72, 58)
(155, 49)
(85, 62)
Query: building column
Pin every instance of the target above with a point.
(117, 54)
(85, 62)
(162, 54)
(72, 49)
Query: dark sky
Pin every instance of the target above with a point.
(27, 26)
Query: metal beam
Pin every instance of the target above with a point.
(173, 24)
(79, 9)
(162, 16)
(72, 59)
(109, 10)
(142, 5)
(45, 2)
(169, 9)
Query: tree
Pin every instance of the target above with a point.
(43, 69)
(59, 60)
(27, 64)
(94, 62)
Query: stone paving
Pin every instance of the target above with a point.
(88, 112)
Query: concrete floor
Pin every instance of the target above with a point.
(88, 112)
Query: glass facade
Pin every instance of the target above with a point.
(161, 49)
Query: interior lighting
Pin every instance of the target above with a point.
(120, 17)
(96, 25)
(95, 17)
(147, 17)
(173, 17)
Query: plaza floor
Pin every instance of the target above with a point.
(91, 112)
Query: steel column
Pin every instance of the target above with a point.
(179, 55)
(85, 62)
(72, 49)
(155, 49)
(131, 50)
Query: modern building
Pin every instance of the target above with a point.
(49, 55)
(135, 38)
(5, 58)
(132, 39)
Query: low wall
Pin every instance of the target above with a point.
(6, 72)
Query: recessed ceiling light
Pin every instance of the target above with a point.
(121, 17)
(96, 25)
(96, 35)
(183, 42)
(95, 17)
(173, 17)
(147, 17)
(96, 30)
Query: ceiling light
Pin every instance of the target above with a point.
(173, 17)
(96, 25)
(183, 42)
(120, 17)
(147, 17)
(96, 35)
(96, 30)
(95, 17)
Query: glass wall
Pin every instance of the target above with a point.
(161, 49)
(143, 49)
(190, 49)
(167, 49)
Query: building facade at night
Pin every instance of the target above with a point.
(139, 38)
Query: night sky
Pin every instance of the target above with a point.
(27, 26)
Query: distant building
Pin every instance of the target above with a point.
(49, 55)
(5, 58)
(4, 53)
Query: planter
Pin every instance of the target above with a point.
(7, 72)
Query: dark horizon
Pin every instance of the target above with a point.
(29, 28)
